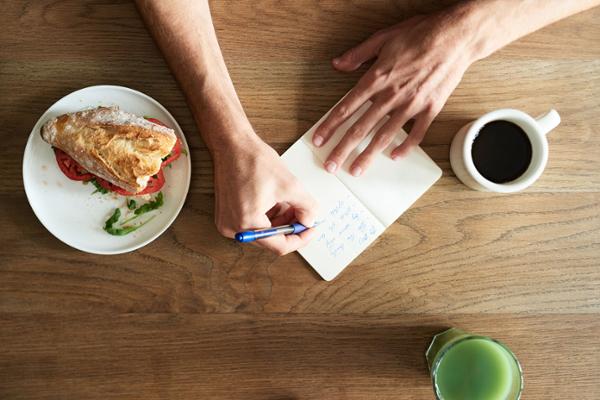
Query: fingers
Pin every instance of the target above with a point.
(284, 219)
(417, 133)
(305, 207)
(302, 208)
(281, 244)
(384, 136)
(362, 92)
(356, 56)
(355, 134)
(279, 210)
(276, 210)
(284, 244)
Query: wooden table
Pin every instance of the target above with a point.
(194, 315)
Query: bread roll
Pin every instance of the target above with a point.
(120, 147)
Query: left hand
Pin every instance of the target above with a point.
(419, 63)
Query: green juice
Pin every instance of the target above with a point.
(475, 369)
(468, 367)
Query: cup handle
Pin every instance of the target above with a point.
(548, 121)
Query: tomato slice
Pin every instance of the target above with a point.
(174, 155)
(155, 183)
(155, 121)
(70, 167)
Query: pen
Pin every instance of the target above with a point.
(250, 236)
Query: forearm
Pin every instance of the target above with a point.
(492, 24)
(184, 32)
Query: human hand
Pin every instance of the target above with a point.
(254, 189)
(419, 63)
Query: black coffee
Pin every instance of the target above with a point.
(501, 151)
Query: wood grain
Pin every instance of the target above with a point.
(205, 318)
(537, 254)
(308, 356)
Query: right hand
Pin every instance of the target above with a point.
(254, 189)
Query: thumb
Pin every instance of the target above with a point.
(356, 56)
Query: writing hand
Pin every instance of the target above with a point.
(254, 189)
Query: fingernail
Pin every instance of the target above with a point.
(396, 157)
(317, 141)
(356, 171)
(336, 60)
(330, 166)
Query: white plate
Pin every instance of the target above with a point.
(68, 209)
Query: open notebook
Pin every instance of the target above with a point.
(355, 211)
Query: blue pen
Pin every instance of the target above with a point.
(250, 236)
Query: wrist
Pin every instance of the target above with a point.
(231, 142)
(234, 144)
(475, 29)
(221, 119)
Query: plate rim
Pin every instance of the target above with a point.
(178, 208)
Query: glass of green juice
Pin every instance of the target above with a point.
(464, 366)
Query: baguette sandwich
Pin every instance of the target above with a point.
(121, 151)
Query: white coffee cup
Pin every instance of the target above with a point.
(536, 130)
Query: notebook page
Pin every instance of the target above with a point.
(388, 187)
(347, 227)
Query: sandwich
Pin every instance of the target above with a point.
(120, 151)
